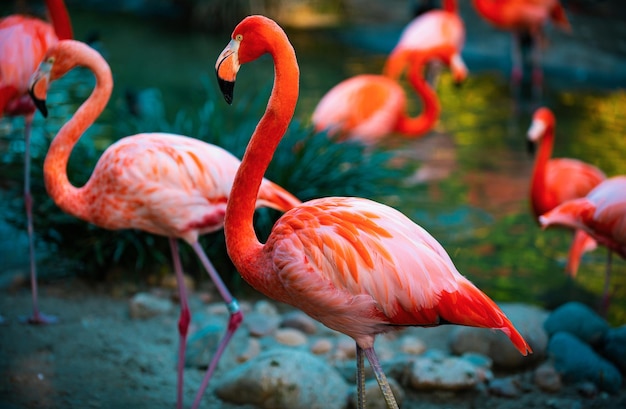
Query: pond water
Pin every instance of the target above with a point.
(475, 199)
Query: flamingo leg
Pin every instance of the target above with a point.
(236, 317)
(183, 321)
(360, 378)
(537, 70)
(380, 377)
(37, 317)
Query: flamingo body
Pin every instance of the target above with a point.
(601, 213)
(358, 266)
(555, 181)
(366, 106)
(164, 184)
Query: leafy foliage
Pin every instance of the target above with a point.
(307, 164)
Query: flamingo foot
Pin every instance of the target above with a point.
(39, 318)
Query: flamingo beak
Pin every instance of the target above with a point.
(226, 68)
(38, 88)
(459, 69)
(535, 132)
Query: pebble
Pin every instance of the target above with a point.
(579, 320)
(145, 305)
(449, 373)
(290, 336)
(299, 320)
(374, 397)
(260, 324)
(507, 387)
(547, 378)
(321, 346)
(412, 345)
(284, 378)
(578, 362)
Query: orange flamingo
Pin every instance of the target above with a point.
(23, 42)
(358, 266)
(555, 181)
(164, 184)
(601, 214)
(526, 20)
(368, 107)
(432, 30)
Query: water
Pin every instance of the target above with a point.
(476, 201)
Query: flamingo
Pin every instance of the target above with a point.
(602, 215)
(164, 184)
(368, 107)
(23, 42)
(430, 31)
(555, 181)
(526, 20)
(357, 266)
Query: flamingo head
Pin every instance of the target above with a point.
(543, 120)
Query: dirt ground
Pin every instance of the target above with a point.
(96, 356)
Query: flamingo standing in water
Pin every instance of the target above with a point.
(357, 266)
(555, 181)
(602, 214)
(164, 184)
(23, 42)
(526, 19)
(432, 30)
(368, 107)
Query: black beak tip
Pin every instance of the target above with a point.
(227, 88)
(530, 147)
(40, 104)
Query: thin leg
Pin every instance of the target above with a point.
(236, 317)
(360, 378)
(537, 73)
(381, 378)
(517, 70)
(606, 297)
(37, 317)
(183, 321)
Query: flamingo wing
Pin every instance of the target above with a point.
(362, 267)
(568, 179)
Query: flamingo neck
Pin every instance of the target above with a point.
(541, 201)
(489, 10)
(60, 19)
(69, 198)
(450, 6)
(419, 125)
(241, 240)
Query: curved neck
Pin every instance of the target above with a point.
(64, 194)
(419, 125)
(241, 239)
(60, 19)
(488, 10)
(540, 200)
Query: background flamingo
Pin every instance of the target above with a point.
(358, 266)
(602, 214)
(555, 181)
(23, 42)
(165, 184)
(368, 107)
(432, 30)
(526, 19)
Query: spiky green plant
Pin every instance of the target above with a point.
(307, 164)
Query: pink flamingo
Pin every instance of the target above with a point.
(555, 181)
(526, 20)
(358, 266)
(164, 184)
(23, 42)
(432, 30)
(602, 215)
(368, 107)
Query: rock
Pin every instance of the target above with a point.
(290, 336)
(496, 345)
(508, 387)
(299, 320)
(260, 324)
(579, 320)
(284, 378)
(201, 344)
(374, 397)
(322, 346)
(449, 373)
(412, 345)
(614, 347)
(577, 362)
(145, 305)
(547, 378)
(266, 308)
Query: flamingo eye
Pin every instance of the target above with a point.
(239, 37)
(50, 60)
